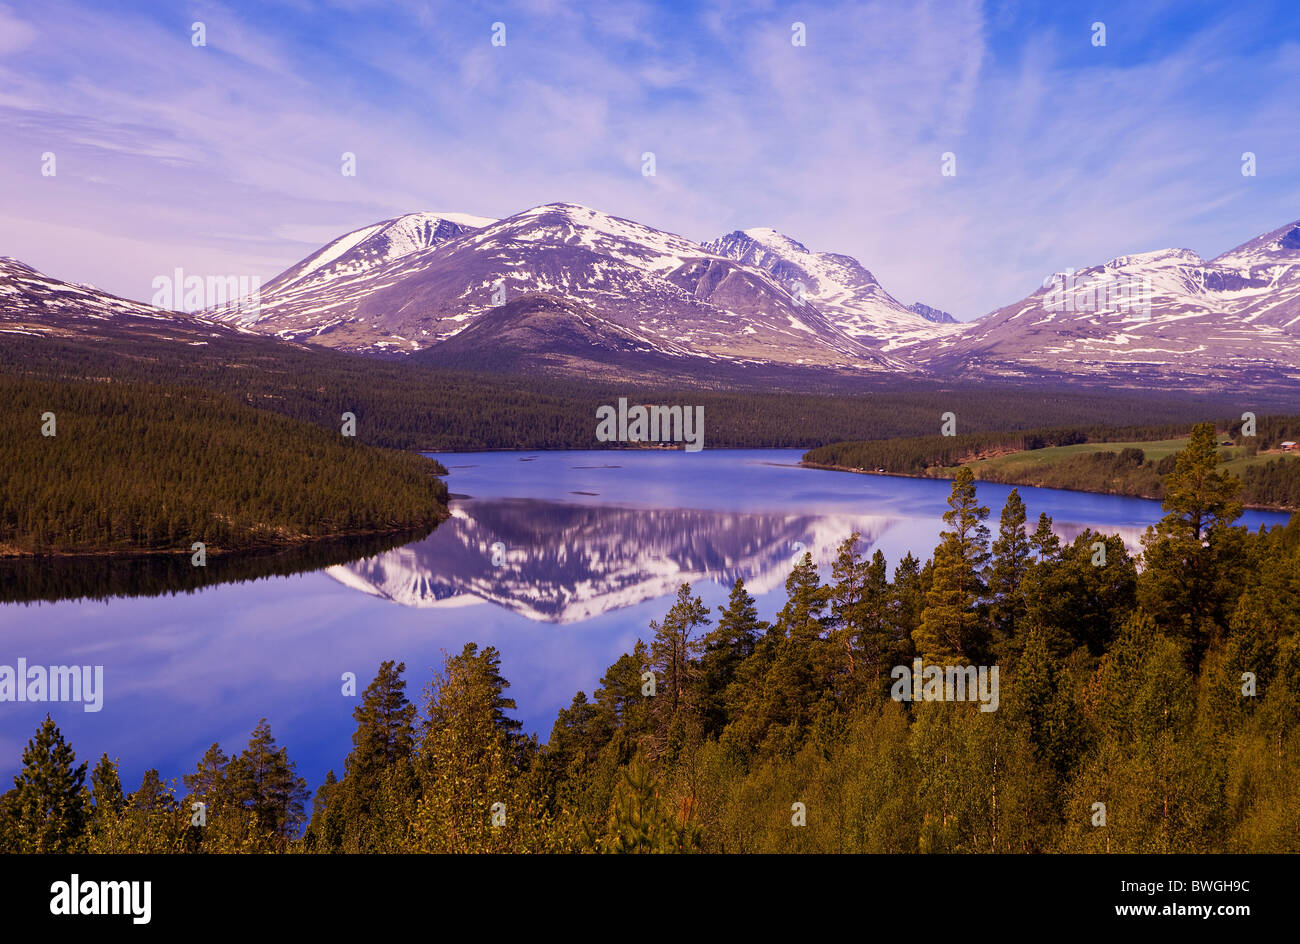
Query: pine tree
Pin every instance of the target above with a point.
(265, 782)
(469, 757)
(803, 660)
(106, 791)
(378, 793)
(385, 731)
(673, 649)
(907, 603)
(1076, 599)
(1198, 496)
(574, 747)
(638, 822)
(1042, 704)
(952, 628)
(861, 627)
(1044, 542)
(209, 782)
(622, 707)
(325, 828)
(725, 648)
(50, 801)
(1006, 577)
(1189, 553)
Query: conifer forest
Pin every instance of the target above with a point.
(1141, 709)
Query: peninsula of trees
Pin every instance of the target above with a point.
(132, 468)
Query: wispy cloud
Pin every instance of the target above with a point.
(227, 157)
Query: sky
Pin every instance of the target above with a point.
(227, 158)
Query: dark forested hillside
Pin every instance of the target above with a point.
(404, 405)
(136, 467)
(1133, 711)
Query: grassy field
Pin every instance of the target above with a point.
(1236, 459)
(1105, 467)
(1107, 460)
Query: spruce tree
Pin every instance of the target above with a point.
(50, 801)
(726, 647)
(265, 782)
(952, 629)
(469, 757)
(1006, 576)
(1190, 553)
(106, 791)
(673, 649)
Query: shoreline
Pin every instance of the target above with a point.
(9, 554)
(1283, 509)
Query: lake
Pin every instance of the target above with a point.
(559, 559)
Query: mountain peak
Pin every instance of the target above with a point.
(1157, 257)
(767, 236)
(936, 315)
(363, 249)
(837, 285)
(1269, 249)
(460, 219)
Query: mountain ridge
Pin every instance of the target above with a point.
(586, 292)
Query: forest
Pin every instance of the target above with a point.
(32, 578)
(1127, 471)
(94, 467)
(405, 405)
(1151, 709)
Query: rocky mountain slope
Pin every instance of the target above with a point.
(1166, 314)
(838, 286)
(667, 291)
(563, 288)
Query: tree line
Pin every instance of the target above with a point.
(1141, 710)
(405, 405)
(1124, 472)
(136, 467)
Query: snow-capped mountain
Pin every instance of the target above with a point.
(838, 286)
(566, 288)
(369, 292)
(931, 314)
(32, 298)
(39, 305)
(360, 251)
(1164, 314)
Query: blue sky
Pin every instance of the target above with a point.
(226, 159)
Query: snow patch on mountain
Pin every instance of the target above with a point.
(838, 286)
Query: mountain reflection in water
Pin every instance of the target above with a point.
(564, 563)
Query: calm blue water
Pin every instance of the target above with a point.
(558, 559)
